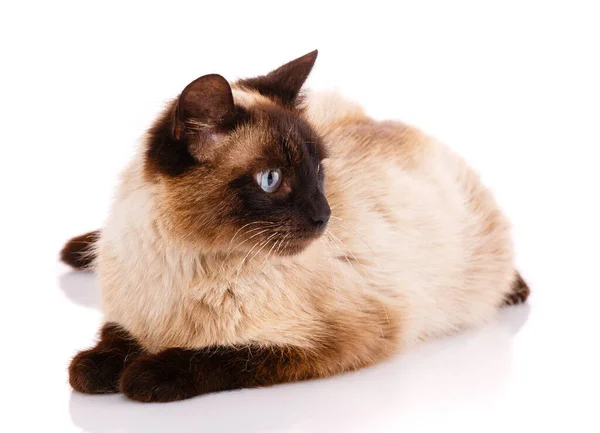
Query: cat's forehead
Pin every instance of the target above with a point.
(248, 98)
(272, 132)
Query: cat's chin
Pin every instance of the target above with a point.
(297, 246)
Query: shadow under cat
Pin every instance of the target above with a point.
(81, 288)
(472, 366)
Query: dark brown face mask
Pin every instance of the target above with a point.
(211, 194)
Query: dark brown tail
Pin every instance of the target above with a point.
(520, 292)
(79, 252)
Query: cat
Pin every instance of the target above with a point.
(265, 234)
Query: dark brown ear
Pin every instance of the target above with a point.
(188, 131)
(285, 82)
(204, 106)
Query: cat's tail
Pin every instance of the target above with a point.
(519, 293)
(80, 252)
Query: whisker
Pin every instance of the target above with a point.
(335, 238)
(270, 251)
(279, 247)
(239, 269)
(244, 240)
(331, 270)
(265, 243)
(354, 231)
(244, 226)
(263, 230)
(345, 274)
(262, 246)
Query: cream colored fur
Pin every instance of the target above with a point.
(416, 248)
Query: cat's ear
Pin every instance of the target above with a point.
(285, 82)
(204, 106)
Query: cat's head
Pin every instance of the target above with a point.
(237, 168)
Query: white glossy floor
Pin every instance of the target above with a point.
(513, 88)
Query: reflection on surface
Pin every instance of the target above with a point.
(80, 288)
(471, 367)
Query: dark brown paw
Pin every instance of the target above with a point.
(96, 372)
(154, 378)
(520, 292)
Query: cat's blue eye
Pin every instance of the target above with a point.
(269, 180)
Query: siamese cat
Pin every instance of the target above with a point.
(264, 235)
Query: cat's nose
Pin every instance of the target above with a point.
(321, 215)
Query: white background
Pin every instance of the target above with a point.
(513, 86)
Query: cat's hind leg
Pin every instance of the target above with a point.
(520, 291)
(97, 370)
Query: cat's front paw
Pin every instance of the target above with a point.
(157, 378)
(96, 371)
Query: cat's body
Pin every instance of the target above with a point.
(415, 248)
